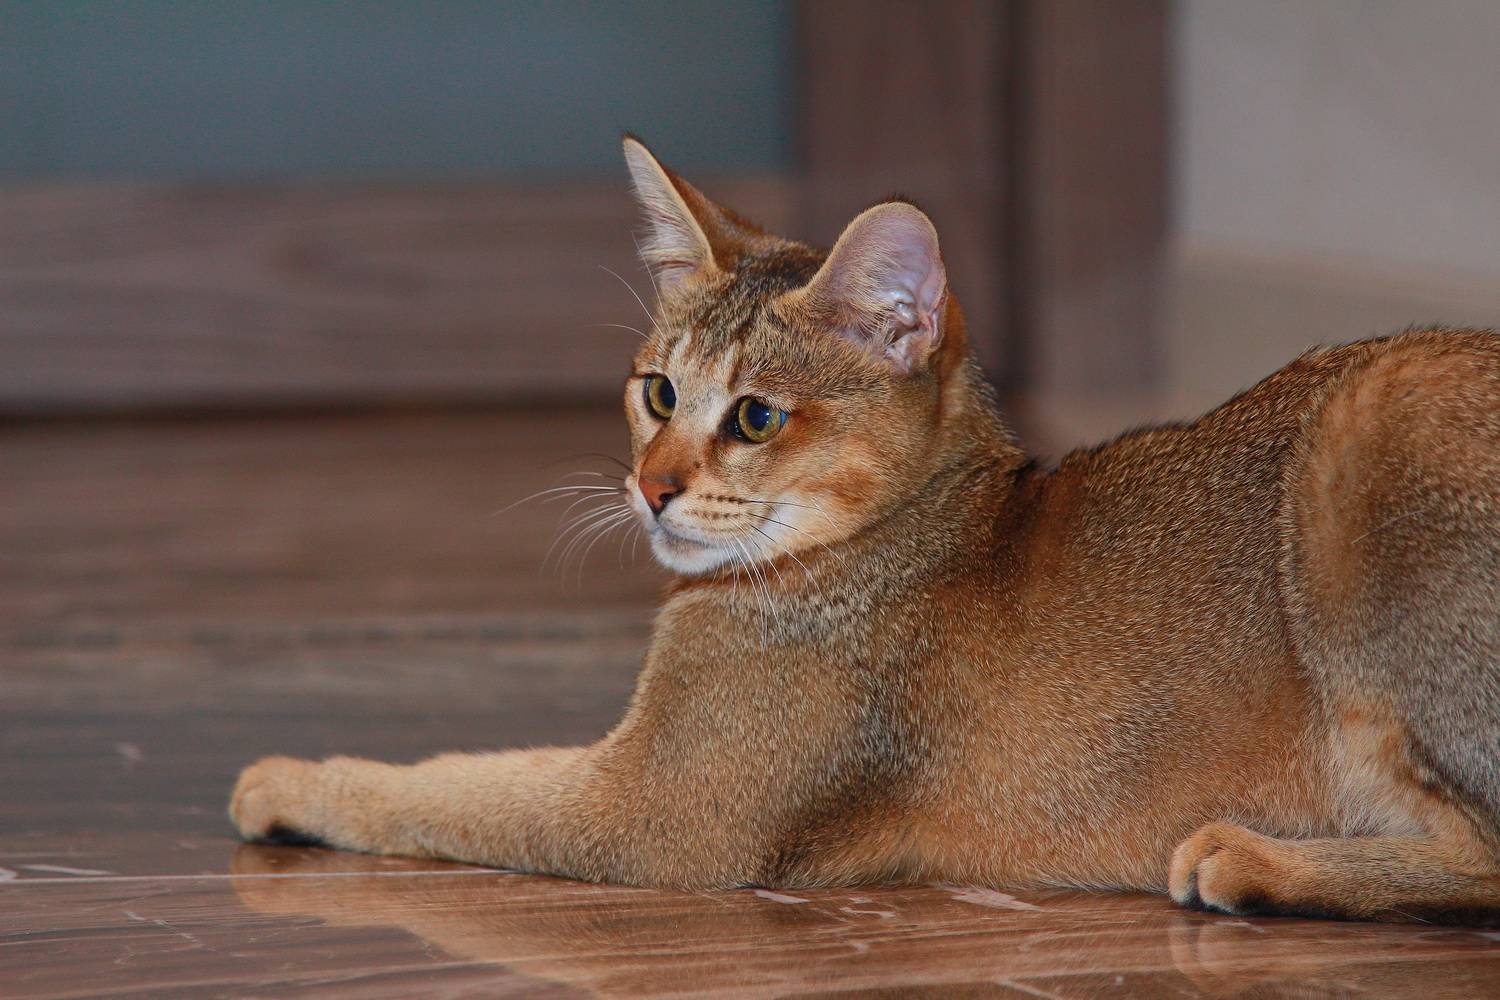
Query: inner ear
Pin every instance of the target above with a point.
(687, 234)
(883, 285)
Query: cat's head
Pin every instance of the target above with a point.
(785, 397)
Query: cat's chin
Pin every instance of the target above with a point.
(686, 555)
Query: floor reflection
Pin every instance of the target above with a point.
(612, 941)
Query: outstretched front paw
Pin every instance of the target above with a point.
(1228, 869)
(274, 801)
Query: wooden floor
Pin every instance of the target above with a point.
(177, 599)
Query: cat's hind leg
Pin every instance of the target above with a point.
(1427, 853)
(1230, 869)
(1391, 585)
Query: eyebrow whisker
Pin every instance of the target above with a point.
(634, 294)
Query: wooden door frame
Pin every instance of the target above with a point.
(1037, 134)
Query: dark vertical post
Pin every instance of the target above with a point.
(904, 98)
(1036, 134)
(1088, 215)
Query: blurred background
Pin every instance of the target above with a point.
(228, 229)
(299, 299)
(1146, 204)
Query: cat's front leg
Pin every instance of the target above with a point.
(341, 802)
(591, 813)
(503, 809)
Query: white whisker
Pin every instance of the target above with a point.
(793, 527)
(584, 522)
(567, 488)
(787, 552)
(650, 276)
(786, 503)
(620, 326)
(583, 541)
(758, 574)
(574, 527)
(572, 506)
(597, 475)
(649, 318)
(608, 525)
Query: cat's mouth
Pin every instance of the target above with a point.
(683, 550)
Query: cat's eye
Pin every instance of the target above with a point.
(661, 398)
(755, 421)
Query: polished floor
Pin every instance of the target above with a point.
(177, 599)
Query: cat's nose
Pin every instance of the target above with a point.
(658, 490)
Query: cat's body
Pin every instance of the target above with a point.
(1254, 659)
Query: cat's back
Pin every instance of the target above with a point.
(1227, 467)
(1181, 530)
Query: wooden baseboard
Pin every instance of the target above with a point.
(130, 298)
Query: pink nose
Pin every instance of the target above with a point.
(657, 491)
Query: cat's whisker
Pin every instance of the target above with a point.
(634, 294)
(609, 524)
(786, 503)
(756, 573)
(623, 467)
(650, 275)
(599, 454)
(576, 503)
(616, 512)
(784, 551)
(596, 475)
(744, 557)
(620, 326)
(584, 529)
(582, 542)
(574, 526)
(567, 491)
(769, 551)
(620, 555)
(793, 527)
(571, 488)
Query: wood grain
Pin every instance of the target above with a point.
(902, 98)
(1036, 133)
(335, 517)
(179, 598)
(1088, 212)
(138, 297)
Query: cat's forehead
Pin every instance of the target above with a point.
(728, 331)
(731, 313)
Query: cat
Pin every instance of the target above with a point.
(1252, 661)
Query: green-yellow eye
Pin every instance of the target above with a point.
(755, 421)
(661, 398)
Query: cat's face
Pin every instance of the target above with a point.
(784, 398)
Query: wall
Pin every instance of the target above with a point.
(389, 89)
(1369, 128)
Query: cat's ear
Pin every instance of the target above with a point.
(884, 286)
(686, 233)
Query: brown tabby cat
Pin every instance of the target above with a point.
(1253, 660)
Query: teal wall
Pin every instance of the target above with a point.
(388, 89)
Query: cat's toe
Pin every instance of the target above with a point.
(266, 802)
(1225, 868)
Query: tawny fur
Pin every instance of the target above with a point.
(1253, 660)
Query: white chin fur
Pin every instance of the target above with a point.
(682, 555)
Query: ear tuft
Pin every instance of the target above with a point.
(884, 285)
(677, 246)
